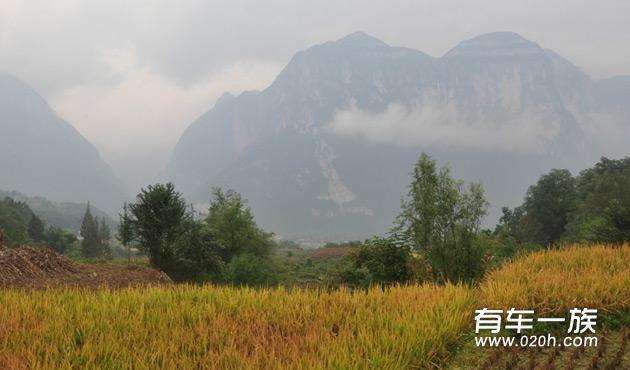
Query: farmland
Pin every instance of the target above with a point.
(555, 281)
(209, 326)
(552, 282)
(227, 328)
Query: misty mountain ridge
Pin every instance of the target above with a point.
(326, 149)
(41, 154)
(324, 152)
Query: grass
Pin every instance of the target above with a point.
(402, 327)
(141, 261)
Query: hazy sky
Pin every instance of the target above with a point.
(131, 75)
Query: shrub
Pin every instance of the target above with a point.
(247, 269)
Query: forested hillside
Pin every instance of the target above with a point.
(65, 215)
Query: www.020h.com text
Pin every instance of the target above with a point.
(547, 340)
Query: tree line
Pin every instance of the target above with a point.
(593, 206)
(437, 235)
(225, 246)
(22, 226)
(95, 236)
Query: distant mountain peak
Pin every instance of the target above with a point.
(324, 152)
(495, 44)
(306, 65)
(360, 39)
(225, 98)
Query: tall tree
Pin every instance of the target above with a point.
(104, 236)
(547, 207)
(91, 243)
(125, 230)
(441, 219)
(36, 229)
(590, 207)
(197, 253)
(156, 220)
(233, 227)
(602, 211)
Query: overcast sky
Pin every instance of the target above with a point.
(131, 75)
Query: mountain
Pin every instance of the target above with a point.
(66, 215)
(325, 150)
(42, 154)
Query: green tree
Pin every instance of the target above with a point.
(233, 227)
(14, 219)
(547, 208)
(615, 225)
(59, 239)
(591, 207)
(470, 249)
(125, 230)
(377, 261)
(104, 236)
(440, 218)
(36, 229)
(197, 253)
(603, 200)
(156, 220)
(91, 243)
(248, 269)
(420, 212)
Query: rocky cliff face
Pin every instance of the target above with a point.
(326, 149)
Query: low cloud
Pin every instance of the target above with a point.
(137, 118)
(609, 133)
(444, 125)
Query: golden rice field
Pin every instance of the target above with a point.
(553, 282)
(213, 327)
(558, 280)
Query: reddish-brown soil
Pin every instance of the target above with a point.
(41, 268)
(332, 252)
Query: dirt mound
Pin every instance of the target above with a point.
(42, 268)
(28, 263)
(120, 276)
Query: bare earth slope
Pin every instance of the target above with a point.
(41, 268)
